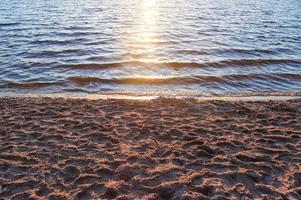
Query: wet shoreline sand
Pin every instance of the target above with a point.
(60, 148)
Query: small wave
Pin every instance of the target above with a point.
(217, 64)
(244, 51)
(77, 27)
(193, 52)
(158, 42)
(9, 24)
(255, 62)
(57, 42)
(136, 80)
(79, 90)
(53, 53)
(30, 85)
(224, 51)
(109, 65)
(265, 77)
(227, 79)
(235, 79)
(73, 34)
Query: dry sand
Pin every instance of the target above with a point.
(159, 149)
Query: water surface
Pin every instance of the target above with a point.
(146, 47)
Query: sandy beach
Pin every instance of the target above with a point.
(56, 148)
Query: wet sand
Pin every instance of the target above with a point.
(55, 148)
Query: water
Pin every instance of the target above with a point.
(166, 47)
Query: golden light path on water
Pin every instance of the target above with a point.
(145, 38)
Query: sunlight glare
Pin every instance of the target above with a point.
(149, 3)
(144, 38)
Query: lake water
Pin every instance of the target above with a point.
(165, 47)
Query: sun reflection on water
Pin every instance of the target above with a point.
(142, 42)
(144, 39)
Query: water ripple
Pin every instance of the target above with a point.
(203, 47)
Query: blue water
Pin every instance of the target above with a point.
(166, 47)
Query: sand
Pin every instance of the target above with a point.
(159, 149)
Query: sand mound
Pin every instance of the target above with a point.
(161, 149)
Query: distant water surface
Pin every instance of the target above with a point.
(166, 47)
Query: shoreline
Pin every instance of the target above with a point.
(152, 97)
